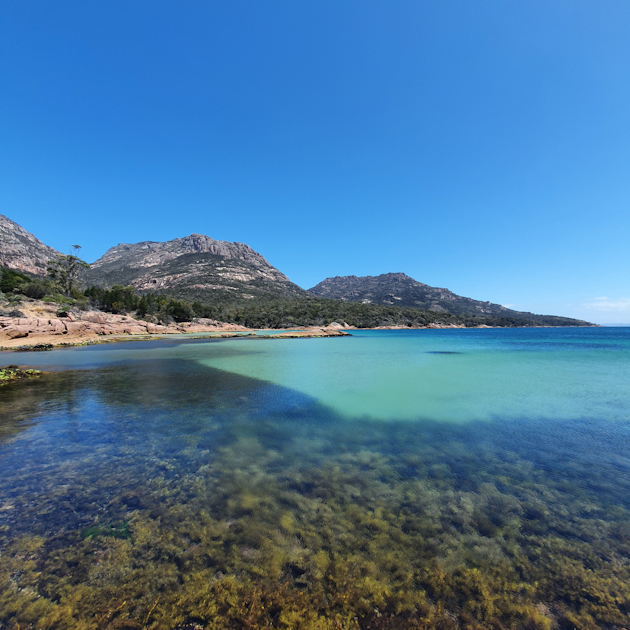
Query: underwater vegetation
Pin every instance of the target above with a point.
(12, 373)
(141, 498)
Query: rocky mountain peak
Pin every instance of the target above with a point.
(399, 289)
(195, 266)
(20, 250)
(150, 253)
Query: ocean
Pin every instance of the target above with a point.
(390, 479)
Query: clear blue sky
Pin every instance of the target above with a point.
(481, 146)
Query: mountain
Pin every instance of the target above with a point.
(20, 250)
(398, 289)
(196, 268)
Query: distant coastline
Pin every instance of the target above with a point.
(201, 278)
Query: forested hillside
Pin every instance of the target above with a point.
(278, 312)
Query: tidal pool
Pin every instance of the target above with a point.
(394, 479)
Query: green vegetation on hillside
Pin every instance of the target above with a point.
(15, 286)
(264, 311)
(16, 283)
(194, 276)
(121, 299)
(279, 312)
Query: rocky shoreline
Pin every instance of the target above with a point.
(14, 331)
(43, 329)
(427, 327)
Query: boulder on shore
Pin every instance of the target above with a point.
(68, 326)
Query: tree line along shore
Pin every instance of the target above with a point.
(271, 312)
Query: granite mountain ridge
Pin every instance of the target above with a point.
(198, 268)
(399, 289)
(22, 251)
(195, 267)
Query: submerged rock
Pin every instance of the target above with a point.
(12, 373)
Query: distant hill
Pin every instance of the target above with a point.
(21, 251)
(398, 289)
(196, 268)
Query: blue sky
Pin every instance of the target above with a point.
(480, 146)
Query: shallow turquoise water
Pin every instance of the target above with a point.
(449, 375)
(496, 443)
(438, 375)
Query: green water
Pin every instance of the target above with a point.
(392, 479)
(446, 376)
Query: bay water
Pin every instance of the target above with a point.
(390, 479)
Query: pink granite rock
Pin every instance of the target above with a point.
(95, 318)
(16, 332)
(27, 321)
(76, 327)
(156, 328)
(58, 325)
(134, 330)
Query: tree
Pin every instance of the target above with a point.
(180, 311)
(64, 270)
(143, 307)
(11, 280)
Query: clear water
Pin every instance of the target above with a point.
(258, 333)
(459, 376)
(442, 478)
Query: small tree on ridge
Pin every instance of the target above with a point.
(64, 270)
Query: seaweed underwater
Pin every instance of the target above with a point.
(141, 496)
